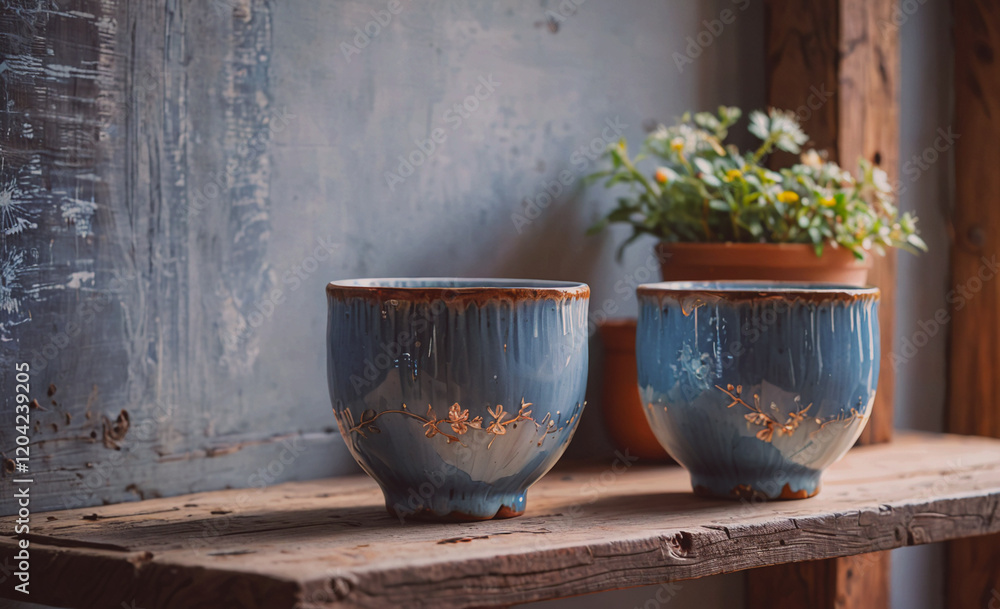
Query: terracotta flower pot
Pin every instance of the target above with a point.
(620, 402)
(622, 407)
(760, 262)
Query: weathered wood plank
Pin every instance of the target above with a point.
(973, 575)
(329, 543)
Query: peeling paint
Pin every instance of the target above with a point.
(77, 279)
(11, 266)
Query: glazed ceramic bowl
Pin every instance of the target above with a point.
(757, 387)
(456, 395)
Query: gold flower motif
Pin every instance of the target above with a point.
(458, 418)
(455, 424)
(496, 427)
(766, 434)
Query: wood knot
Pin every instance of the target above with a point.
(682, 542)
(115, 432)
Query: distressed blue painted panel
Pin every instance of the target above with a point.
(185, 178)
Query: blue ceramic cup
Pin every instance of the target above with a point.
(756, 387)
(456, 395)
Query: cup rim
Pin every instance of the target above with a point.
(460, 288)
(751, 289)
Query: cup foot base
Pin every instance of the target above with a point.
(454, 516)
(802, 487)
(470, 508)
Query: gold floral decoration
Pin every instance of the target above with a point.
(770, 424)
(456, 424)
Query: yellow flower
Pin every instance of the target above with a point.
(661, 175)
(677, 144)
(787, 196)
(811, 158)
(828, 202)
(732, 174)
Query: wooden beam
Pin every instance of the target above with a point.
(851, 581)
(329, 543)
(836, 63)
(973, 574)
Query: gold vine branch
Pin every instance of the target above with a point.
(758, 417)
(840, 417)
(456, 424)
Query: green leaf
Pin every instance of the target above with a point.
(697, 203)
(597, 227)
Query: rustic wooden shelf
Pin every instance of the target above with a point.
(329, 543)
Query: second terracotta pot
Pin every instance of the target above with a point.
(623, 416)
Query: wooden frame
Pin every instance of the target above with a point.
(836, 64)
(973, 575)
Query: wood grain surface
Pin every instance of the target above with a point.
(329, 543)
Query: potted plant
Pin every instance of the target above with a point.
(721, 213)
